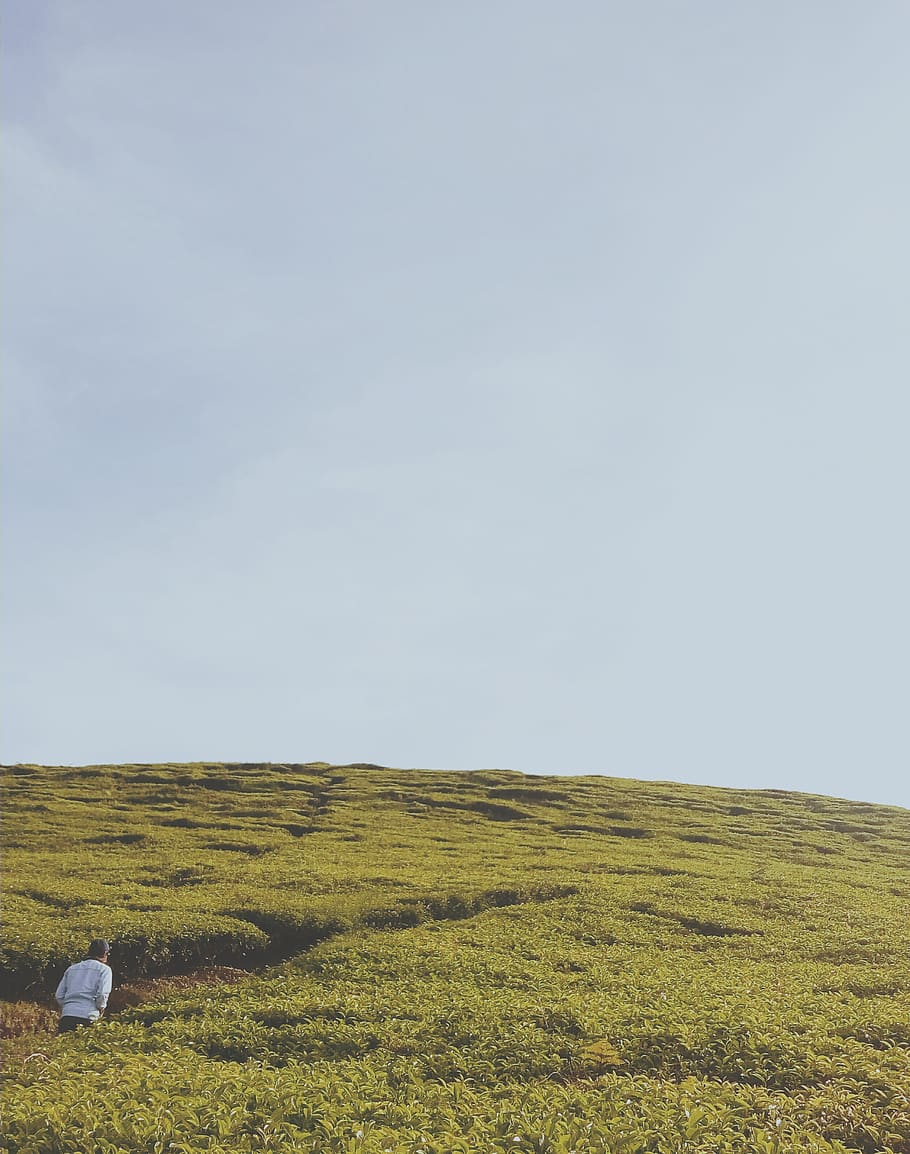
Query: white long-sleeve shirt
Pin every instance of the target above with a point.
(84, 989)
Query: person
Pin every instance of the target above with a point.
(85, 988)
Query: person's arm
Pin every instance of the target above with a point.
(61, 991)
(104, 989)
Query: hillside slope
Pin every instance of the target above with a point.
(183, 865)
(548, 964)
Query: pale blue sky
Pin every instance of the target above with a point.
(511, 384)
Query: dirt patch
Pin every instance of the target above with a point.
(151, 989)
(25, 1018)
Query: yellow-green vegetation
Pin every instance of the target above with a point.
(459, 962)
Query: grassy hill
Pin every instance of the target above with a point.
(456, 961)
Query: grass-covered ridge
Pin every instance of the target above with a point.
(506, 962)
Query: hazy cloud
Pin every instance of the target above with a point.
(465, 385)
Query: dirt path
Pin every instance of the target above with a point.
(131, 994)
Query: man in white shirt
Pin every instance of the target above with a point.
(85, 988)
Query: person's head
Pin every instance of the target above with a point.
(99, 949)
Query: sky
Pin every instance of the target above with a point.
(515, 384)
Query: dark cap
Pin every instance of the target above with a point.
(98, 948)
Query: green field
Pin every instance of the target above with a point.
(453, 962)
